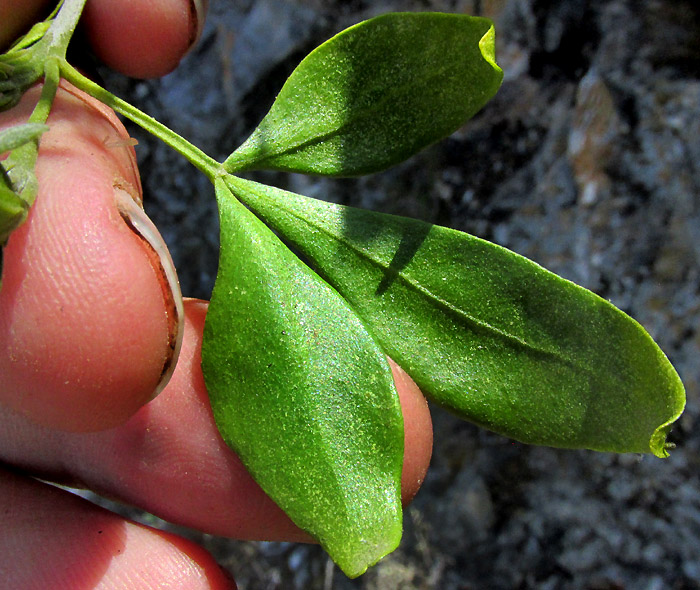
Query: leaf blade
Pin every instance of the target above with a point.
(303, 394)
(376, 94)
(486, 333)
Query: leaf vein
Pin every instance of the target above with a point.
(428, 294)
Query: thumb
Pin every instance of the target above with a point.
(88, 320)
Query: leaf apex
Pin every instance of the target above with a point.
(359, 562)
(658, 444)
(487, 45)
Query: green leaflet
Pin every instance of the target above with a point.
(13, 211)
(375, 94)
(13, 208)
(21, 66)
(485, 332)
(303, 394)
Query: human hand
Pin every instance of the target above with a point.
(85, 338)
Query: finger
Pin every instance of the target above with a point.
(170, 460)
(53, 539)
(418, 433)
(17, 17)
(88, 324)
(143, 39)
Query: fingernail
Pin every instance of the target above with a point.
(198, 11)
(229, 578)
(137, 220)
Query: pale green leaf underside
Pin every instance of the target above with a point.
(485, 332)
(18, 135)
(303, 394)
(376, 94)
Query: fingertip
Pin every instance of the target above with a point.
(84, 323)
(53, 539)
(418, 433)
(143, 39)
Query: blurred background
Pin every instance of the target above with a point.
(588, 162)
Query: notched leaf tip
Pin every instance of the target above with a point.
(658, 444)
(487, 45)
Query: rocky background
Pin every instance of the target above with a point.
(588, 162)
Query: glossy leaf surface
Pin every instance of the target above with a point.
(376, 94)
(303, 394)
(485, 332)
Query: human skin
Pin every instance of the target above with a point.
(164, 456)
(168, 25)
(16, 17)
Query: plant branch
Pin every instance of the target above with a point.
(210, 167)
(57, 38)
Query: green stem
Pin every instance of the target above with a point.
(52, 78)
(19, 166)
(210, 167)
(57, 38)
